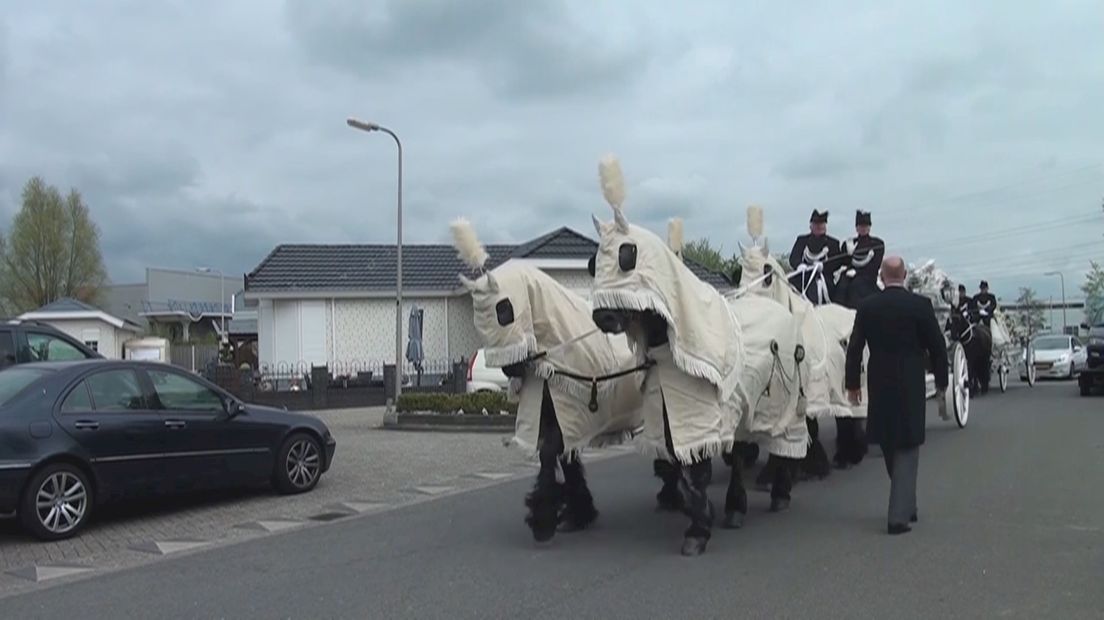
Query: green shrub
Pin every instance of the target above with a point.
(493, 402)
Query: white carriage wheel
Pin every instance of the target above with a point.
(1002, 375)
(960, 385)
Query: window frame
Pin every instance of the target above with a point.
(146, 404)
(156, 403)
(81, 383)
(30, 333)
(9, 333)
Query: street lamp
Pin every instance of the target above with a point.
(222, 295)
(1065, 324)
(370, 127)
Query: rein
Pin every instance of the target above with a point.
(594, 381)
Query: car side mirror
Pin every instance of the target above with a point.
(233, 408)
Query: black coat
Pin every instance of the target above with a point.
(810, 249)
(899, 327)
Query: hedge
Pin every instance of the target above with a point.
(472, 404)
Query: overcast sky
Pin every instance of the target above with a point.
(205, 133)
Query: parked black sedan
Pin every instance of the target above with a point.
(76, 434)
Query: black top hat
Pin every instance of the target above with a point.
(983, 284)
(818, 218)
(862, 218)
(961, 287)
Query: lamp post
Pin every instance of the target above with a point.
(1062, 278)
(370, 127)
(222, 296)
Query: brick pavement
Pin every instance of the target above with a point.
(371, 465)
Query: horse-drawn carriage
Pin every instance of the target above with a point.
(975, 353)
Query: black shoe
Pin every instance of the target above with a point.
(899, 528)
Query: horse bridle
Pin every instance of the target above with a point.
(592, 380)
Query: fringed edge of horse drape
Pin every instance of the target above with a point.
(642, 301)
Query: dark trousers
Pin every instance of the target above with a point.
(902, 465)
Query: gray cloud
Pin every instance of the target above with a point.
(208, 134)
(529, 50)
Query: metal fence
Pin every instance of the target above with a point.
(299, 385)
(194, 357)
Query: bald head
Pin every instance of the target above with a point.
(893, 270)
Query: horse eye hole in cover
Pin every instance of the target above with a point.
(626, 256)
(590, 263)
(505, 311)
(768, 271)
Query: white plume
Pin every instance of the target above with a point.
(613, 183)
(467, 243)
(755, 221)
(674, 235)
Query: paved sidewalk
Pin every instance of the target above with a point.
(373, 469)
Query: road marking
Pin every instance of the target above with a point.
(493, 475)
(44, 572)
(272, 525)
(359, 506)
(434, 489)
(165, 547)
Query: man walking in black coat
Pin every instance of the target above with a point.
(899, 327)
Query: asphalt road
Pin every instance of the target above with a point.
(1010, 526)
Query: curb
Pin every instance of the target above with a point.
(450, 422)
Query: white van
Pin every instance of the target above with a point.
(483, 379)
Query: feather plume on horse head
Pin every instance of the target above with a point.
(472, 252)
(755, 231)
(755, 222)
(613, 188)
(467, 244)
(674, 235)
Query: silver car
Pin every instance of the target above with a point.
(1057, 356)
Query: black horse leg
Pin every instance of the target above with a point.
(766, 475)
(579, 511)
(547, 496)
(736, 503)
(815, 464)
(669, 497)
(694, 483)
(694, 487)
(783, 482)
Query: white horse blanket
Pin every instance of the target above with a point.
(547, 317)
(715, 372)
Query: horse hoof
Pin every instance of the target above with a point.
(577, 525)
(733, 521)
(779, 504)
(543, 536)
(693, 546)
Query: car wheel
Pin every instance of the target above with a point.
(1071, 374)
(56, 503)
(298, 464)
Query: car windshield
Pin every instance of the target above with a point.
(1053, 343)
(13, 380)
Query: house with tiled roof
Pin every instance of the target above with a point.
(98, 330)
(334, 305)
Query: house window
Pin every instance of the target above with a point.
(91, 339)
